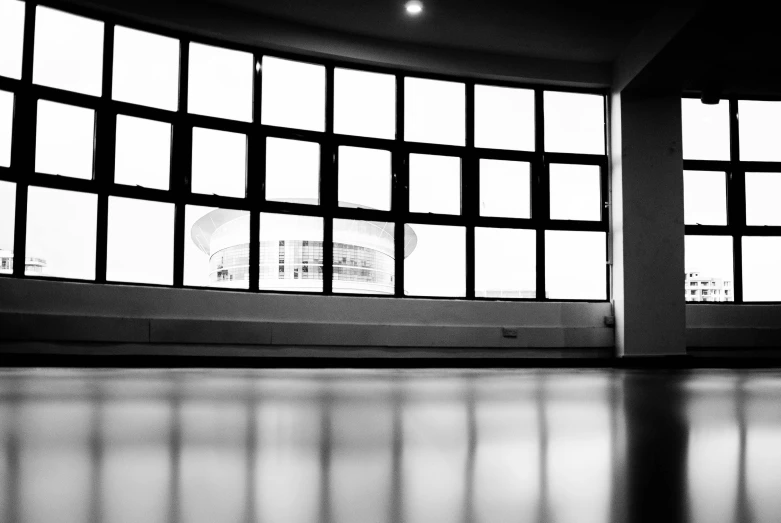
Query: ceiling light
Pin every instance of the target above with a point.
(414, 7)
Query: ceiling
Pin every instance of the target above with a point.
(590, 32)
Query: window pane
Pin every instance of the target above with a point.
(575, 192)
(219, 163)
(6, 127)
(11, 38)
(705, 198)
(140, 241)
(216, 247)
(705, 130)
(64, 140)
(220, 82)
(505, 263)
(291, 252)
(434, 184)
(364, 103)
(434, 111)
(762, 190)
(505, 189)
(363, 257)
(708, 266)
(61, 232)
(292, 171)
(761, 260)
(68, 52)
(575, 265)
(364, 178)
(7, 220)
(435, 260)
(143, 154)
(146, 69)
(759, 125)
(504, 118)
(293, 94)
(574, 123)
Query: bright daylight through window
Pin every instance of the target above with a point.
(732, 178)
(140, 156)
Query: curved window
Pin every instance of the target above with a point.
(190, 162)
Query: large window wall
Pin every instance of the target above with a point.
(732, 186)
(131, 154)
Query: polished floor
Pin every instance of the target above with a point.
(372, 446)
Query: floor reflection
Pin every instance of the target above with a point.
(291, 446)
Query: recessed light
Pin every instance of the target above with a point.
(414, 7)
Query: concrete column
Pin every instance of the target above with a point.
(647, 223)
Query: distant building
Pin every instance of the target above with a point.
(701, 288)
(32, 265)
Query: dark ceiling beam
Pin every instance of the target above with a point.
(649, 42)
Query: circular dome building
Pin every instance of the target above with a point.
(291, 252)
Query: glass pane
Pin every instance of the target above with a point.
(291, 253)
(515, 250)
(705, 198)
(363, 257)
(708, 266)
(146, 69)
(216, 247)
(705, 130)
(434, 111)
(7, 220)
(575, 192)
(759, 125)
(143, 153)
(761, 260)
(762, 190)
(6, 127)
(64, 140)
(435, 260)
(504, 118)
(293, 94)
(140, 241)
(68, 52)
(219, 163)
(364, 178)
(434, 184)
(220, 82)
(575, 265)
(364, 103)
(574, 123)
(11, 38)
(292, 171)
(505, 189)
(61, 233)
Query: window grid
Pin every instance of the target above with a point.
(23, 154)
(736, 170)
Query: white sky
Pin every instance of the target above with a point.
(574, 122)
(364, 103)
(220, 82)
(575, 193)
(146, 69)
(434, 111)
(760, 126)
(64, 140)
(575, 264)
(504, 118)
(68, 51)
(292, 170)
(505, 259)
(143, 152)
(761, 260)
(219, 164)
(7, 216)
(437, 266)
(293, 94)
(434, 184)
(705, 198)
(365, 177)
(762, 190)
(505, 189)
(711, 256)
(6, 125)
(11, 37)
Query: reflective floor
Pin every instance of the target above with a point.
(361, 446)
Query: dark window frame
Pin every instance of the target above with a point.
(21, 172)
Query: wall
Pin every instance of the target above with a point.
(46, 311)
